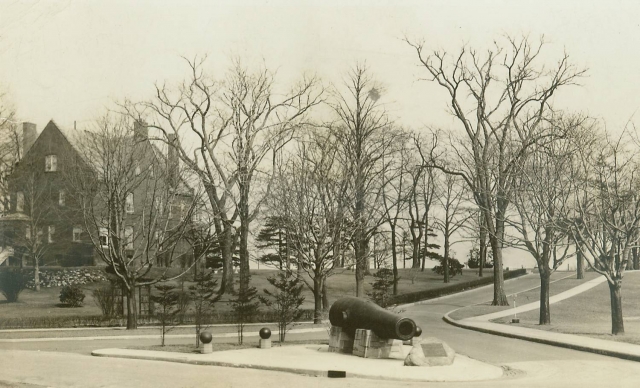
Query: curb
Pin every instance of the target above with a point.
(583, 348)
(470, 324)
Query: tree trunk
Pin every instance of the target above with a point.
(244, 230)
(317, 299)
(446, 256)
(415, 254)
(636, 258)
(617, 323)
(226, 248)
(36, 272)
(545, 312)
(394, 259)
(579, 264)
(132, 310)
(325, 295)
(499, 297)
(360, 256)
(483, 250)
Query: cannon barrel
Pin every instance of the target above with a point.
(354, 313)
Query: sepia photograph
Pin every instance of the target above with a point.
(272, 193)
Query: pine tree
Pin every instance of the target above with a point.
(285, 300)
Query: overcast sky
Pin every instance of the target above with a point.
(69, 60)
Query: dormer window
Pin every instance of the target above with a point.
(61, 200)
(51, 163)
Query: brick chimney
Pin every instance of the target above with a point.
(140, 131)
(172, 158)
(29, 135)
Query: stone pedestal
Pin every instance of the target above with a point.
(368, 345)
(207, 348)
(265, 343)
(340, 341)
(430, 352)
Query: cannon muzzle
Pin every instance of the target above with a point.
(354, 313)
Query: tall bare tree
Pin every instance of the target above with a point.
(396, 191)
(454, 200)
(314, 187)
(543, 200)
(234, 124)
(137, 206)
(501, 98)
(607, 203)
(364, 134)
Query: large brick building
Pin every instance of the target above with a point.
(46, 211)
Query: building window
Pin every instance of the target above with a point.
(128, 204)
(77, 234)
(27, 233)
(51, 232)
(51, 163)
(137, 171)
(128, 237)
(19, 201)
(104, 237)
(61, 198)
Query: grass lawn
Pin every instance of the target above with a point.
(46, 303)
(589, 313)
(556, 287)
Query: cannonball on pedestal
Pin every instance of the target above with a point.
(206, 337)
(418, 331)
(265, 333)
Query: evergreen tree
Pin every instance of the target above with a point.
(285, 300)
(167, 299)
(203, 295)
(245, 307)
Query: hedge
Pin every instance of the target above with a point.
(143, 320)
(450, 289)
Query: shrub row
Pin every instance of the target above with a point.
(450, 289)
(102, 321)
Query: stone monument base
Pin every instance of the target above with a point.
(207, 348)
(265, 343)
(340, 341)
(430, 352)
(368, 345)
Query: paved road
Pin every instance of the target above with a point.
(528, 364)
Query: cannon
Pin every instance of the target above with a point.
(354, 313)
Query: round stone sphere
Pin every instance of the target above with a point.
(206, 337)
(418, 331)
(265, 333)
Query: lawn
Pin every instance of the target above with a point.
(589, 313)
(560, 283)
(45, 303)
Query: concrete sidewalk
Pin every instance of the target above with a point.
(315, 360)
(609, 348)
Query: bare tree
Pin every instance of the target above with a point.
(453, 198)
(137, 206)
(235, 124)
(395, 198)
(314, 186)
(543, 200)
(607, 203)
(501, 99)
(364, 135)
(11, 149)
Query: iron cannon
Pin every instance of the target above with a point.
(354, 313)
